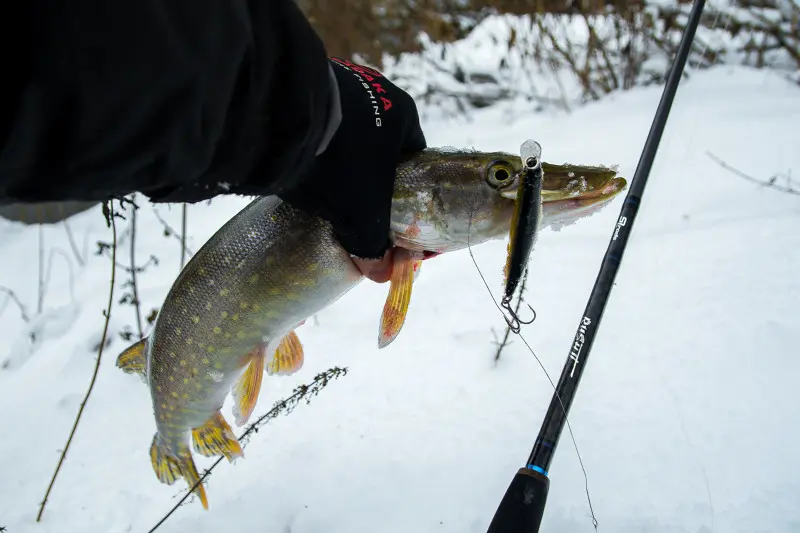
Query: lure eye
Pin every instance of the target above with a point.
(499, 174)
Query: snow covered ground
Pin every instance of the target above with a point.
(688, 415)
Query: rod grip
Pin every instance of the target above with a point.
(522, 506)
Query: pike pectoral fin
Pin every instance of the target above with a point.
(247, 388)
(132, 360)
(169, 467)
(288, 357)
(405, 270)
(216, 437)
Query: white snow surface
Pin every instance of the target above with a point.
(688, 414)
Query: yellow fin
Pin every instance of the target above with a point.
(216, 437)
(132, 359)
(164, 464)
(288, 357)
(247, 388)
(168, 467)
(404, 272)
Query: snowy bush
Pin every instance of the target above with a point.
(564, 60)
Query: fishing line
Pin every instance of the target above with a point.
(515, 324)
(693, 131)
(676, 404)
(687, 145)
(555, 389)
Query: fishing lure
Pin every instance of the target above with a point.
(525, 224)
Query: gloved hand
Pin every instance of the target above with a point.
(350, 184)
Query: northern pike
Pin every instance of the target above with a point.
(232, 311)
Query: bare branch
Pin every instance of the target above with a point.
(502, 344)
(40, 298)
(494, 334)
(284, 406)
(136, 303)
(73, 245)
(183, 235)
(775, 31)
(771, 182)
(108, 210)
(63, 254)
(169, 231)
(12, 296)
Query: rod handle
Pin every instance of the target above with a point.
(522, 506)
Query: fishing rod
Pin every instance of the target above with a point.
(522, 506)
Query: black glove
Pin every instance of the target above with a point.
(351, 183)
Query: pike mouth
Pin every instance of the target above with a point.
(603, 193)
(510, 193)
(587, 201)
(581, 193)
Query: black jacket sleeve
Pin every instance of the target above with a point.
(181, 100)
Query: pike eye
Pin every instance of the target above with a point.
(500, 173)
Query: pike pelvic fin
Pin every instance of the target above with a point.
(288, 357)
(132, 360)
(216, 437)
(247, 388)
(169, 467)
(404, 272)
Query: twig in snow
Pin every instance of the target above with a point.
(183, 235)
(108, 211)
(136, 304)
(72, 244)
(284, 406)
(40, 299)
(169, 231)
(130, 297)
(47, 276)
(547, 375)
(502, 344)
(771, 182)
(103, 246)
(12, 296)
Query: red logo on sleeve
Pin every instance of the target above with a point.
(368, 76)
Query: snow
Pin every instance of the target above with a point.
(687, 418)
(509, 56)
